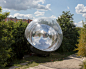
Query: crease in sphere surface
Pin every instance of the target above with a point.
(44, 34)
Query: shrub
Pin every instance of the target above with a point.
(6, 40)
(81, 46)
(83, 66)
(19, 47)
(12, 40)
(13, 43)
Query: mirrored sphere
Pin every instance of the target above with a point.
(44, 34)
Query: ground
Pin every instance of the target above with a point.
(71, 62)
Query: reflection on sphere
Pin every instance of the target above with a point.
(44, 34)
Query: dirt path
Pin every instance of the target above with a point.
(71, 62)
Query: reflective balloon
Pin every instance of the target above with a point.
(44, 34)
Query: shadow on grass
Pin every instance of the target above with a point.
(53, 57)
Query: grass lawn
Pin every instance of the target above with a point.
(35, 60)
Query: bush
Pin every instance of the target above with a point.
(6, 40)
(81, 46)
(13, 43)
(19, 47)
(12, 40)
(83, 66)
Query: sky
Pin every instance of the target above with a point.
(31, 9)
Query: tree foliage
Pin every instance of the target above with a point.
(81, 46)
(13, 43)
(20, 45)
(3, 15)
(5, 38)
(69, 31)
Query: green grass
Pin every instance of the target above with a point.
(28, 65)
(35, 60)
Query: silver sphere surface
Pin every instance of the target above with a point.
(44, 34)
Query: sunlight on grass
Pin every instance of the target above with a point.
(28, 65)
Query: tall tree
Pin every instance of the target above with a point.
(81, 46)
(69, 31)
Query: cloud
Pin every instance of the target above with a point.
(79, 24)
(24, 4)
(68, 7)
(53, 16)
(4, 1)
(5, 10)
(81, 9)
(84, 15)
(22, 16)
(37, 13)
(43, 8)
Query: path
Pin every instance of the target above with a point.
(71, 62)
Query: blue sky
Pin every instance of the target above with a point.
(45, 8)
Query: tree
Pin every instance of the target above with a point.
(5, 37)
(19, 47)
(12, 41)
(81, 46)
(3, 15)
(69, 32)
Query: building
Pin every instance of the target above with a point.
(16, 20)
